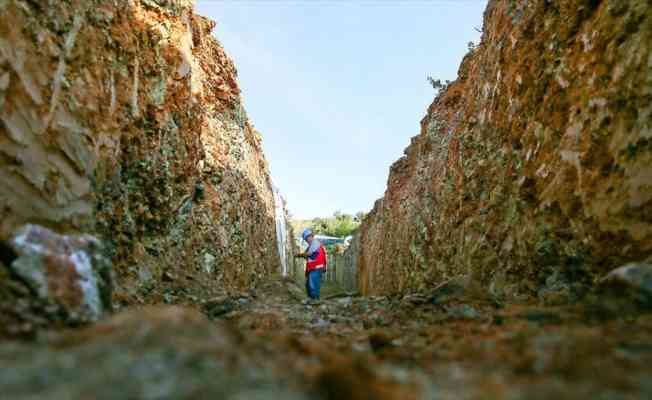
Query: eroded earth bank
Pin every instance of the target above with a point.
(509, 258)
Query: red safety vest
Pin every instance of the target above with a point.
(319, 262)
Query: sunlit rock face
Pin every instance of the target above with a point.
(533, 170)
(123, 119)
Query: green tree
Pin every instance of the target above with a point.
(339, 225)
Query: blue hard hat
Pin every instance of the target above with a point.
(306, 232)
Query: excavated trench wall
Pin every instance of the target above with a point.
(123, 119)
(533, 170)
(343, 266)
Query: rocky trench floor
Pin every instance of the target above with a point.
(268, 344)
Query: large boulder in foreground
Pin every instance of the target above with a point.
(48, 279)
(68, 271)
(533, 170)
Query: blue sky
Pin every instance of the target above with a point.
(337, 88)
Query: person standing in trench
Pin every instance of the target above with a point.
(315, 255)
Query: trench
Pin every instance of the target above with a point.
(208, 298)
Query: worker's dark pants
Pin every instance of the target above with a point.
(313, 284)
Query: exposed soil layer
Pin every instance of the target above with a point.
(534, 168)
(123, 120)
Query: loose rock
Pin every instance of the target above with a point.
(68, 271)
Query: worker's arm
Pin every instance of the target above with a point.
(311, 252)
